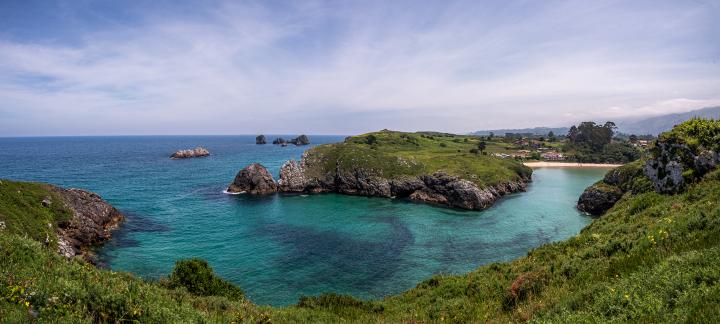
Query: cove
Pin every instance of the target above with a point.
(278, 248)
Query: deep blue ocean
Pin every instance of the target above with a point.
(278, 248)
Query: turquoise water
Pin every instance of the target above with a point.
(278, 248)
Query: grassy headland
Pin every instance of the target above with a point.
(393, 155)
(651, 258)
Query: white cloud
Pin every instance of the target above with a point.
(247, 69)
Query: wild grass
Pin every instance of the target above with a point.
(394, 155)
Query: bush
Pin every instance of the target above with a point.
(198, 278)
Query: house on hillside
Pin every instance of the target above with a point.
(553, 156)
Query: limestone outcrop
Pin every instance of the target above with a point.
(196, 152)
(91, 223)
(254, 179)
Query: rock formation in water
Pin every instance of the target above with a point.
(260, 139)
(197, 152)
(91, 223)
(254, 179)
(300, 140)
(438, 188)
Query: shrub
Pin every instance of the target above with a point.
(198, 278)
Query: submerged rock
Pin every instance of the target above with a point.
(197, 152)
(260, 139)
(254, 179)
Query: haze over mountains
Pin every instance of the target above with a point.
(640, 126)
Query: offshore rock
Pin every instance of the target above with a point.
(260, 139)
(184, 154)
(279, 140)
(254, 179)
(300, 140)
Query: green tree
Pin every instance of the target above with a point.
(551, 137)
(481, 146)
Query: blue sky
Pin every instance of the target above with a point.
(345, 67)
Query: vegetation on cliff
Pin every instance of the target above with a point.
(394, 155)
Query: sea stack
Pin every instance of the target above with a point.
(184, 154)
(254, 179)
(260, 139)
(280, 141)
(300, 140)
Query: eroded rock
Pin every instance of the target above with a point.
(254, 179)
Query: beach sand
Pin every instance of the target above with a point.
(543, 164)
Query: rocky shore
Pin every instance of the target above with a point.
(184, 154)
(437, 188)
(91, 224)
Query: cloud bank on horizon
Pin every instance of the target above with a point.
(342, 67)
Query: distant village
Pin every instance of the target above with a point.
(549, 147)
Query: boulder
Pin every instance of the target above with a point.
(254, 179)
(279, 140)
(260, 139)
(184, 154)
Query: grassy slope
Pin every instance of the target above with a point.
(651, 258)
(396, 155)
(23, 213)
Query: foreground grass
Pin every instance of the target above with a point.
(392, 155)
(651, 258)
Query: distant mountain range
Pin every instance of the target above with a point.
(534, 131)
(652, 125)
(659, 124)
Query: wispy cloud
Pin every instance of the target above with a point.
(321, 67)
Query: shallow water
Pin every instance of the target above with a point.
(278, 248)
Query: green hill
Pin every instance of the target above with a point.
(651, 258)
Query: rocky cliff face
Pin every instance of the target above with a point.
(438, 188)
(674, 164)
(184, 154)
(253, 179)
(91, 225)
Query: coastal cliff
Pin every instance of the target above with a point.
(438, 169)
(74, 221)
(680, 157)
(91, 224)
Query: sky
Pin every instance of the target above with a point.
(133, 67)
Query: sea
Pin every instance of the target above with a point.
(280, 247)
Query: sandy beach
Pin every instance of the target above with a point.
(543, 164)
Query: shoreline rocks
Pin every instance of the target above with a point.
(437, 188)
(91, 225)
(196, 152)
(254, 179)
